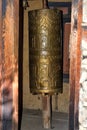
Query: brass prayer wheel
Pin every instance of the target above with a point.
(45, 51)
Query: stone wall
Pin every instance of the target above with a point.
(83, 89)
(83, 79)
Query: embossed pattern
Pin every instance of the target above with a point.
(45, 51)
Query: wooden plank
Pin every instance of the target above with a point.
(66, 62)
(78, 62)
(75, 61)
(0, 67)
(9, 69)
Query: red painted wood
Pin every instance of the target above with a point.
(78, 63)
(0, 56)
(9, 67)
(75, 62)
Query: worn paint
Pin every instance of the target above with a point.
(78, 62)
(75, 62)
(9, 64)
(73, 40)
(0, 60)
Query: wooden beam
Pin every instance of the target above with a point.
(75, 62)
(9, 67)
(0, 56)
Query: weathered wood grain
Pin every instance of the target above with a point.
(75, 63)
(9, 67)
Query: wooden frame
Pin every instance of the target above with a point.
(10, 66)
(75, 63)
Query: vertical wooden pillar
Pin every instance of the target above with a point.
(75, 63)
(0, 57)
(9, 67)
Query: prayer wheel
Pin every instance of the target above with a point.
(45, 51)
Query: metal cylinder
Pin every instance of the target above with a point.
(45, 51)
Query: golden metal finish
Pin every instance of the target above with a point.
(45, 51)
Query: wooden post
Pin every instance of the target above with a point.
(47, 111)
(75, 62)
(0, 57)
(9, 67)
(20, 60)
